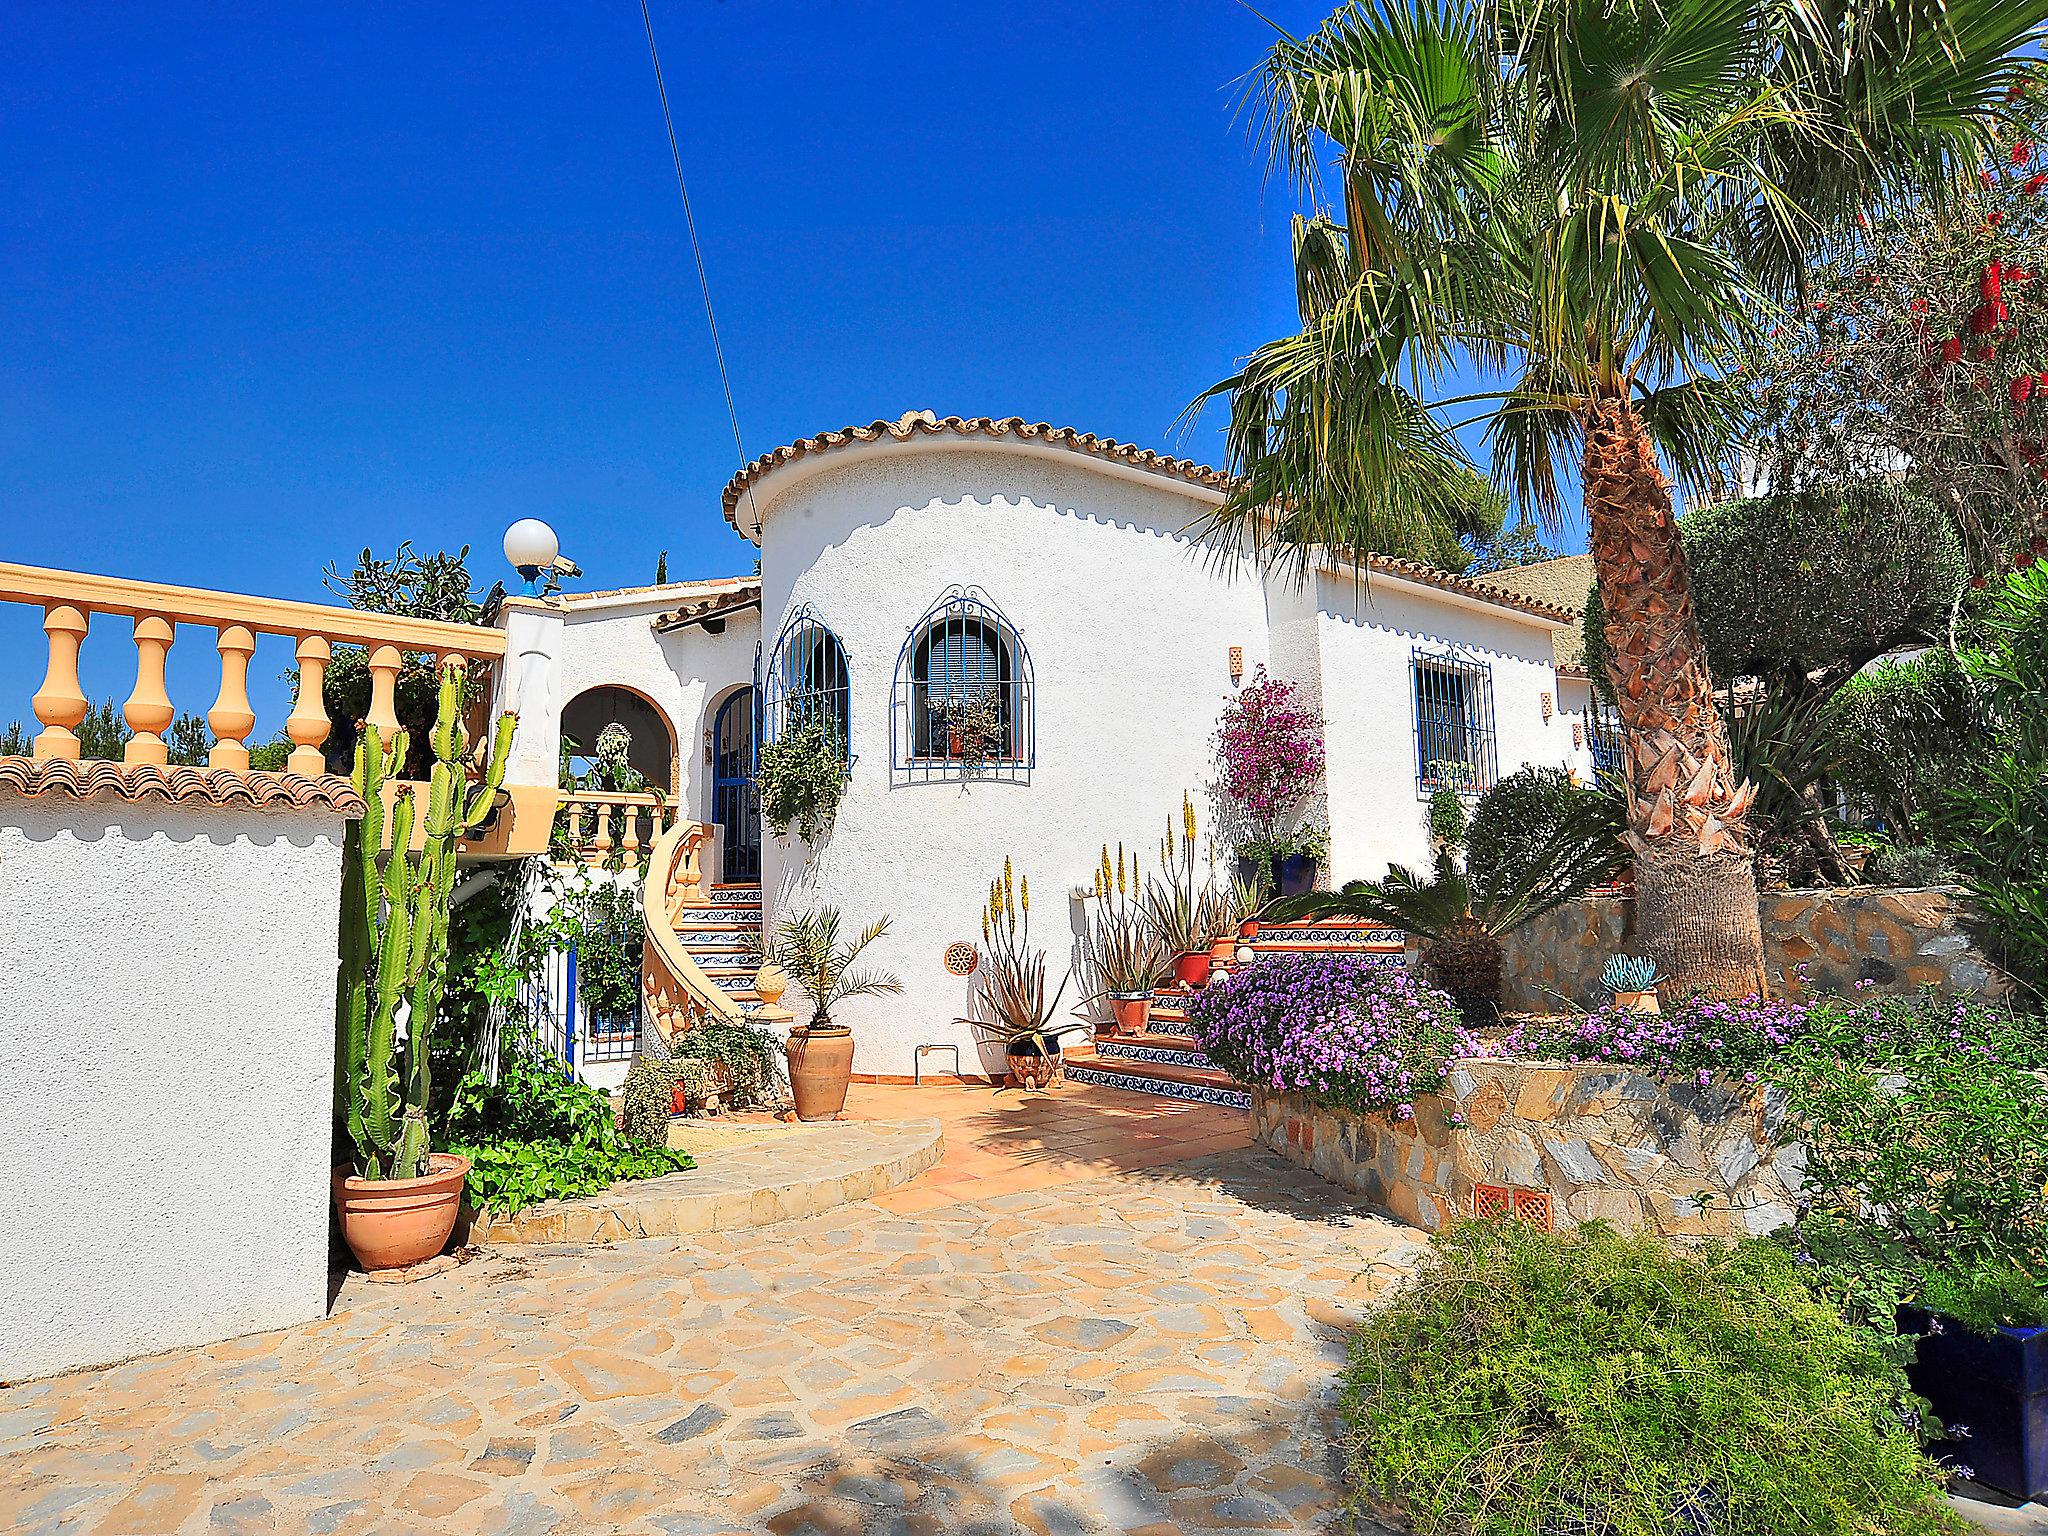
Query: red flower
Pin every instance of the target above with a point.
(2023, 151)
(1977, 583)
(2034, 184)
(1952, 349)
(1994, 218)
(1984, 177)
(2023, 561)
(1918, 306)
(2021, 388)
(1989, 285)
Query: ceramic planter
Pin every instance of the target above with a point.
(1998, 1387)
(1132, 1014)
(392, 1223)
(820, 1067)
(1192, 969)
(1639, 1002)
(1248, 929)
(1295, 875)
(1224, 950)
(1034, 1070)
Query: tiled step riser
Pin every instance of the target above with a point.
(1199, 1093)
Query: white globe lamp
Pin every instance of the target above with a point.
(531, 546)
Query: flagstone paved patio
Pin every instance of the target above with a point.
(1130, 1348)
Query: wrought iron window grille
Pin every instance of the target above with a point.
(964, 704)
(1455, 745)
(807, 681)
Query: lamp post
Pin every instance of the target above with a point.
(531, 546)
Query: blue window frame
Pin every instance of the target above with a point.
(808, 680)
(1454, 736)
(964, 697)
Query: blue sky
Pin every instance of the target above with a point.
(281, 282)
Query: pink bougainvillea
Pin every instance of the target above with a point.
(1271, 748)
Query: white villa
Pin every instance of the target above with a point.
(1057, 569)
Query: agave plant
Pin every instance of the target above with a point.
(1179, 905)
(819, 966)
(1630, 973)
(1460, 922)
(1125, 954)
(1013, 971)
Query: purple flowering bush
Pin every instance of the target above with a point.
(1694, 1035)
(1270, 747)
(1348, 1031)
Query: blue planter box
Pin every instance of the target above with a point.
(1998, 1387)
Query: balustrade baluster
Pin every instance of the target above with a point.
(601, 845)
(231, 719)
(308, 725)
(148, 710)
(631, 813)
(60, 703)
(384, 662)
(576, 826)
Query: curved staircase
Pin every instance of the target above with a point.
(698, 959)
(1167, 1060)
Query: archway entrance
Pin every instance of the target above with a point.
(735, 805)
(653, 752)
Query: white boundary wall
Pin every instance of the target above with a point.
(167, 1075)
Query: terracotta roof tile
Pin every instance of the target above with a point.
(56, 778)
(916, 424)
(737, 600)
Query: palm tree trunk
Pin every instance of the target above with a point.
(1696, 901)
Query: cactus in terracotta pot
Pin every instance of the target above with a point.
(394, 933)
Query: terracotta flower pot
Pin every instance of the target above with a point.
(1248, 929)
(1192, 968)
(1034, 1071)
(1224, 950)
(679, 1098)
(390, 1223)
(820, 1067)
(1132, 1014)
(1640, 1002)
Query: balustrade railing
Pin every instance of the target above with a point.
(71, 600)
(602, 827)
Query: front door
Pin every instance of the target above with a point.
(734, 805)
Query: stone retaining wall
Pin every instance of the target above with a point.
(1900, 940)
(1559, 1142)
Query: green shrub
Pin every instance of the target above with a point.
(752, 1058)
(536, 1134)
(1528, 1384)
(646, 1100)
(1926, 1140)
(1520, 818)
(1910, 724)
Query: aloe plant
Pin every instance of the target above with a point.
(394, 934)
(1630, 973)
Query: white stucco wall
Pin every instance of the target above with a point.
(1129, 632)
(685, 674)
(1366, 637)
(167, 1076)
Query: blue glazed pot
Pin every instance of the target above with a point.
(1998, 1387)
(1294, 875)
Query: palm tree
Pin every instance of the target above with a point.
(1594, 202)
(821, 968)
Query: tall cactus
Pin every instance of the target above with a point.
(394, 933)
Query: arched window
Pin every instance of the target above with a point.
(963, 701)
(807, 680)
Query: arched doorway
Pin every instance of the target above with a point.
(653, 752)
(735, 805)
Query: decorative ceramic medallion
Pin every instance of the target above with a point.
(962, 958)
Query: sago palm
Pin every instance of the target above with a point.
(1592, 203)
(1460, 922)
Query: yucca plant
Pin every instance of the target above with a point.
(1013, 971)
(1459, 922)
(1125, 954)
(819, 966)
